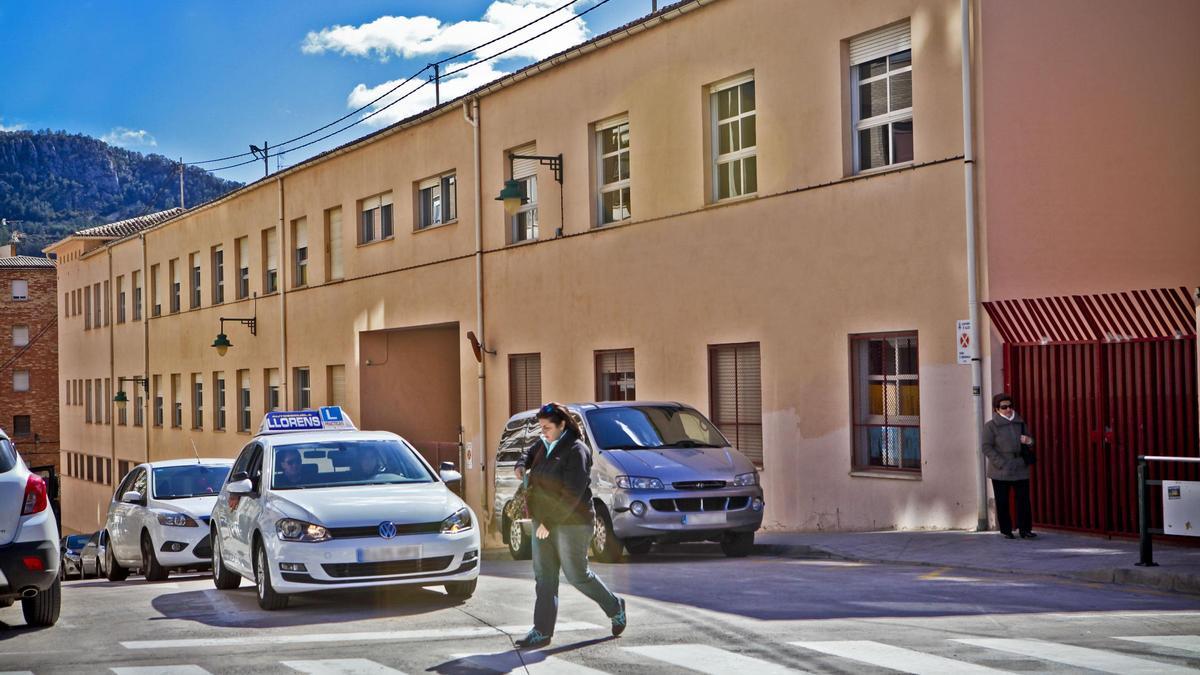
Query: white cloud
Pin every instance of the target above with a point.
(128, 138)
(10, 127)
(426, 37)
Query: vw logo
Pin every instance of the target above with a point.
(387, 529)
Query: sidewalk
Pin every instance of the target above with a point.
(1062, 554)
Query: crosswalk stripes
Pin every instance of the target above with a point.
(712, 660)
(1078, 657)
(341, 667)
(185, 669)
(895, 658)
(534, 662)
(1187, 643)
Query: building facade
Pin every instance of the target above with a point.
(29, 352)
(767, 223)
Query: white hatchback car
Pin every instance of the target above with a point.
(339, 508)
(158, 517)
(29, 557)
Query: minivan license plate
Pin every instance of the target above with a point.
(388, 553)
(704, 518)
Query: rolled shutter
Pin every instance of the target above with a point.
(523, 168)
(880, 43)
(525, 382)
(335, 244)
(302, 233)
(272, 250)
(337, 385)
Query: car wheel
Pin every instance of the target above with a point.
(42, 609)
(461, 589)
(737, 544)
(223, 579)
(150, 567)
(605, 545)
(268, 599)
(112, 569)
(639, 546)
(519, 546)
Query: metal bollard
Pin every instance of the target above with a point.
(1146, 557)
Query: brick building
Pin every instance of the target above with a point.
(29, 354)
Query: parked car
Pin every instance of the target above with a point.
(72, 545)
(313, 503)
(29, 557)
(89, 556)
(661, 472)
(158, 517)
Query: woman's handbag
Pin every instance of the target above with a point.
(1028, 455)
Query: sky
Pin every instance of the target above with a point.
(203, 80)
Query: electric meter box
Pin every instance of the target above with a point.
(1181, 508)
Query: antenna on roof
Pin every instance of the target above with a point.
(194, 450)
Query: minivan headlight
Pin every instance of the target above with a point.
(639, 483)
(459, 522)
(176, 520)
(290, 529)
(745, 479)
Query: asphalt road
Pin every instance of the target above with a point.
(690, 609)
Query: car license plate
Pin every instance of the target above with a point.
(388, 553)
(717, 518)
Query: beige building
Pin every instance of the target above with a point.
(753, 206)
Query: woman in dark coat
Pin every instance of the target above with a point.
(559, 468)
(1005, 438)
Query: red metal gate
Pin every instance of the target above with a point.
(1101, 379)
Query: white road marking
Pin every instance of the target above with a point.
(1078, 657)
(16, 672)
(1187, 643)
(161, 670)
(532, 662)
(341, 667)
(283, 638)
(711, 660)
(896, 658)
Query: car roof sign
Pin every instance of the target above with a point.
(326, 418)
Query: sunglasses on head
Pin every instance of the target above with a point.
(548, 409)
(1004, 406)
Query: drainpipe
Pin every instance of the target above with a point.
(147, 420)
(473, 119)
(112, 360)
(283, 265)
(972, 272)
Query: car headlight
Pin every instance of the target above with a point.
(176, 520)
(639, 483)
(459, 522)
(745, 479)
(290, 529)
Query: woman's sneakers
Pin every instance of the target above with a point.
(618, 619)
(534, 639)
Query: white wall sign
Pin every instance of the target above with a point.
(1181, 508)
(963, 341)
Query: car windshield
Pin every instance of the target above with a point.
(8, 455)
(189, 480)
(75, 541)
(341, 463)
(653, 426)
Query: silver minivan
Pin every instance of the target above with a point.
(661, 472)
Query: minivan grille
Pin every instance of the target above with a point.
(699, 504)
(699, 485)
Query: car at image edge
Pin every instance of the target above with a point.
(29, 557)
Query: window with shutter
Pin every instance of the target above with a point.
(615, 375)
(882, 97)
(887, 402)
(524, 223)
(337, 385)
(242, 251)
(300, 252)
(20, 289)
(270, 261)
(735, 384)
(333, 243)
(524, 382)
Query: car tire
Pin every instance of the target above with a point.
(112, 569)
(42, 609)
(268, 599)
(737, 544)
(639, 546)
(605, 546)
(150, 567)
(223, 579)
(519, 545)
(461, 589)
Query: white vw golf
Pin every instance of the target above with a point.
(313, 503)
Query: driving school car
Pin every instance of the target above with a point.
(313, 503)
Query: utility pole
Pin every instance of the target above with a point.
(181, 183)
(437, 84)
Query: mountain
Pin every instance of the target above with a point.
(53, 183)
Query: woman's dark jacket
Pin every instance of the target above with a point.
(560, 491)
(1002, 447)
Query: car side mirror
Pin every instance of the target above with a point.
(449, 475)
(241, 487)
(446, 466)
(133, 497)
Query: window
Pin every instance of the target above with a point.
(158, 401)
(271, 377)
(219, 401)
(524, 382)
(21, 425)
(177, 400)
(176, 284)
(20, 380)
(87, 400)
(87, 309)
(881, 98)
(270, 242)
(735, 396)
(300, 252)
(137, 295)
(242, 253)
(121, 299)
(218, 275)
(437, 200)
(106, 403)
(107, 303)
(524, 224)
(734, 138)
(303, 388)
(243, 377)
(20, 289)
(887, 402)
(123, 416)
(194, 279)
(336, 384)
(139, 403)
(155, 291)
(20, 336)
(375, 219)
(91, 468)
(333, 243)
(197, 401)
(66, 305)
(614, 375)
(612, 170)
(97, 306)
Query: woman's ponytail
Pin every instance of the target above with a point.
(558, 414)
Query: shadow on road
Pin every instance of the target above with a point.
(507, 661)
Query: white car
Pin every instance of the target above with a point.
(337, 507)
(29, 556)
(158, 517)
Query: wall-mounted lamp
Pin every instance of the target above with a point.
(121, 400)
(222, 343)
(512, 195)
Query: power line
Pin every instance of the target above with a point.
(511, 32)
